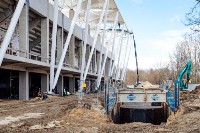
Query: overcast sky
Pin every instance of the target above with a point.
(157, 25)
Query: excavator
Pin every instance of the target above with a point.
(180, 81)
(173, 90)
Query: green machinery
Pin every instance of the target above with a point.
(173, 94)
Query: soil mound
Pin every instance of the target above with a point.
(196, 90)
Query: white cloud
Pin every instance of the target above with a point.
(153, 51)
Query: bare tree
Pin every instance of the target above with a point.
(189, 49)
(193, 18)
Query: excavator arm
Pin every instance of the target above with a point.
(186, 69)
(173, 95)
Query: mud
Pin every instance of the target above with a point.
(64, 115)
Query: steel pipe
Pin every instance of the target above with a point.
(85, 43)
(53, 46)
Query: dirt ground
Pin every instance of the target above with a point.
(63, 114)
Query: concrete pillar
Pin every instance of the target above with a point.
(108, 61)
(45, 40)
(98, 61)
(92, 85)
(80, 53)
(88, 30)
(71, 85)
(71, 14)
(44, 82)
(87, 57)
(87, 54)
(102, 65)
(24, 85)
(60, 85)
(99, 39)
(24, 32)
(59, 45)
(88, 83)
(93, 61)
(72, 51)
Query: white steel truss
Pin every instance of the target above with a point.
(85, 44)
(120, 52)
(67, 43)
(95, 39)
(128, 46)
(109, 44)
(53, 47)
(103, 42)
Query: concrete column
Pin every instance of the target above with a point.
(24, 32)
(88, 30)
(99, 39)
(92, 85)
(24, 85)
(72, 51)
(93, 61)
(60, 85)
(87, 54)
(71, 84)
(80, 53)
(98, 61)
(108, 61)
(45, 40)
(102, 65)
(44, 82)
(59, 44)
(71, 14)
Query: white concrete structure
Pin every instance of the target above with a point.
(40, 43)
